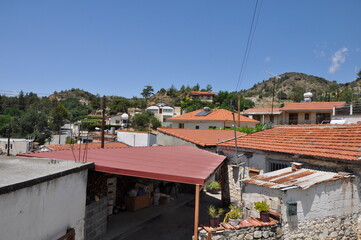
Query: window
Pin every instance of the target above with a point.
(276, 165)
(181, 125)
(257, 117)
(307, 116)
(117, 122)
(293, 118)
(197, 127)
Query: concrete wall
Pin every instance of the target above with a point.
(15, 146)
(332, 198)
(136, 139)
(202, 125)
(96, 219)
(349, 118)
(165, 139)
(45, 211)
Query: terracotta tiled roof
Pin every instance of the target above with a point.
(202, 93)
(250, 222)
(201, 137)
(89, 145)
(215, 115)
(311, 106)
(327, 141)
(262, 111)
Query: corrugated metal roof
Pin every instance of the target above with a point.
(285, 178)
(184, 164)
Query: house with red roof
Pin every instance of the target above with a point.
(202, 96)
(296, 113)
(211, 119)
(261, 163)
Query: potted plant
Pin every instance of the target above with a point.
(214, 187)
(263, 209)
(233, 216)
(214, 215)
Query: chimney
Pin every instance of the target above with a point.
(296, 166)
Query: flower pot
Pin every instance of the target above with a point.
(233, 222)
(214, 222)
(264, 216)
(214, 191)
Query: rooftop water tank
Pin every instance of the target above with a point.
(125, 116)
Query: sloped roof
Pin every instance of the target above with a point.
(202, 93)
(287, 178)
(327, 141)
(201, 137)
(311, 106)
(184, 164)
(262, 111)
(215, 115)
(88, 145)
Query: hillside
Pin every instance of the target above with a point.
(291, 86)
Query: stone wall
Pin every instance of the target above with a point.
(96, 219)
(265, 232)
(344, 227)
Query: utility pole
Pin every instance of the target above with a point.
(239, 110)
(103, 122)
(9, 135)
(275, 77)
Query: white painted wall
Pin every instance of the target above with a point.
(45, 211)
(332, 198)
(349, 118)
(16, 145)
(202, 125)
(136, 139)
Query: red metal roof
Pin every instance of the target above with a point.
(88, 145)
(184, 164)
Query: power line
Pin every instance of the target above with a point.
(252, 30)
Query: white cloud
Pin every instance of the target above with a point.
(337, 59)
(267, 59)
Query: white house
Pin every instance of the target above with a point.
(211, 119)
(118, 120)
(162, 113)
(42, 198)
(16, 145)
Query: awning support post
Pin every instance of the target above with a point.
(196, 213)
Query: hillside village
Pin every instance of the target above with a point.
(278, 161)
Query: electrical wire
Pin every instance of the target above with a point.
(255, 17)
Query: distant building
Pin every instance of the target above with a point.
(203, 96)
(210, 119)
(162, 112)
(136, 138)
(16, 145)
(121, 120)
(264, 115)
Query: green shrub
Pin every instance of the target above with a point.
(214, 185)
(213, 212)
(261, 206)
(234, 213)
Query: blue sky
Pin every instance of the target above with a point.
(117, 47)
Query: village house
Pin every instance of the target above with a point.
(334, 149)
(163, 112)
(42, 198)
(202, 96)
(137, 178)
(121, 120)
(211, 119)
(296, 113)
(15, 145)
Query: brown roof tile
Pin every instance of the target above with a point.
(329, 141)
(311, 106)
(201, 137)
(215, 115)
